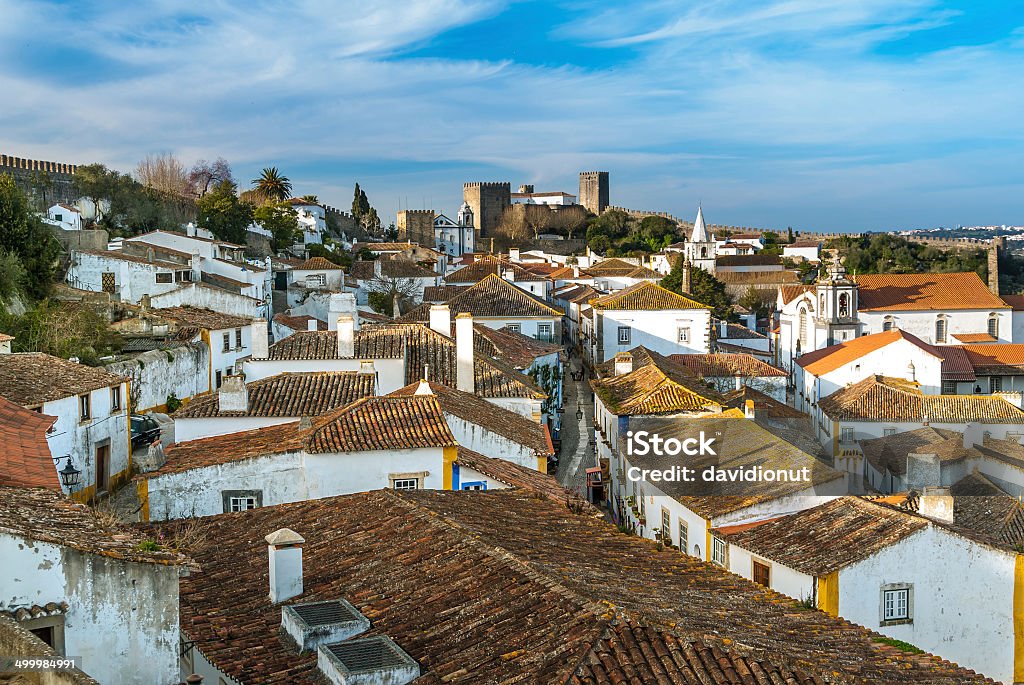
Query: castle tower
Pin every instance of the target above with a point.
(701, 250)
(487, 202)
(837, 304)
(416, 226)
(594, 190)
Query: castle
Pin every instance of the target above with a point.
(46, 183)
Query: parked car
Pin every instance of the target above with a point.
(144, 431)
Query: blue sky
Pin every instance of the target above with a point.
(816, 114)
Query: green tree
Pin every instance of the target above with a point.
(282, 222)
(704, 288)
(771, 243)
(24, 235)
(311, 199)
(63, 330)
(95, 182)
(272, 185)
(360, 203)
(674, 280)
(655, 232)
(223, 213)
(13, 276)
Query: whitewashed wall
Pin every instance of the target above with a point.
(207, 297)
(182, 372)
(922, 324)
(656, 331)
(390, 372)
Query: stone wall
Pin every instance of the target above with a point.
(488, 202)
(416, 225)
(182, 371)
(87, 239)
(46, 183)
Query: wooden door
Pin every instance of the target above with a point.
(102, 468)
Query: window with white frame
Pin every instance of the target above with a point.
(164, 277)
(684, 534)
(544, 331)
(683, 334)
(226, 340)
(514, 327)
(940, 330)
(948, 387)
(115, 398)
(406, 483)
(625, 335)
(993, 325)
(238, 338)
(718, 551)
(847, 435)
(84, 407)
(995, 384)
(897, 603)
(666, 525)
(241, 503)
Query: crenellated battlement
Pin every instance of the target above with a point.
(496, 185)
(24, 164)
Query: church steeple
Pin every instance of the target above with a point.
(700, 231)
(701, 250)
(837, 302)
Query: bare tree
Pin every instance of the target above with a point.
(205, 175)
(163, 172)
(568, 219)
(385, 292)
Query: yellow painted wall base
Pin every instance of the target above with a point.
(1018, 619)
(828, 593)
(450, 455)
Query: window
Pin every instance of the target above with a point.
(993, 325)
(683, 535)
(995, 384)
(241, 500)
(241, 503)
(227, 342)
(625, 334)
(58, 217)
(761, 573)
(847, 435)
(886, 432)
(316, 280)
(802, 333)
(897, 604)
(666, 525)
(238, 338)
(218, 378)
(514, 327)
(474, 485)
(887, 324)
(83, 407)
(115, 399)
(165, 278)
(183, 276)
(683, 334)
(407, 483)
(718, 551)
(229, 372)
(940, 330)
(844, 305)
(948, 387)
(544, 331)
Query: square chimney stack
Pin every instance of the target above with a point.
(285, 550)
(464, 364)
(441, 319)
(346, 336)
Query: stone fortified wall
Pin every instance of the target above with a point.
(44, 182)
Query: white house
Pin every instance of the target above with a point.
(647, 315)
(803, 250)
(126, 277)
(553, 198)
(455, 238)
(731, 371)
(91, 407)
(894, 353)
(889, 571)
(479, 270)
(373, 443)
(406, 278)
(65, 216)
(87, 591)
(312, 218)
(617, 274)
(318, 273)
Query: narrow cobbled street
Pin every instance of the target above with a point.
(577, 453)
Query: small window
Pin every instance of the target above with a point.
(762, 574)
(683, 334)
(218, 378)
(625, 334)
(241, 500)
(165, 278)
(666, 525)
(993, 325)
(473, 485)
(995, 384)
(718, 551)
(115, 399)
(887, 324)
(948, 387)
(886, 432)
(847, 435)
(241, 503)
(183, 276)
(544, 331)
(514, 327)
(896, 604)
(238, 338)
(230, 371)
(940, 330)
(407, 484)
(683, 535)
(58, 217)
(227, 342)
(316, 280)
(83, 407)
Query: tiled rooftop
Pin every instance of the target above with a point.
(914, 292)
(441, 293)
(727, 365)
(656, 385)
(383, 423)
(611, 268)
(764, 405)
(318, 264)
(513, 347)
(791, 292)
(299, 323)
(488, 266)
(828, 537)
(516, 476)
(290, 395)
(645, 296)
(507, 587)
(491, 297)
(32, 378)
(25, 458)
(197, 317)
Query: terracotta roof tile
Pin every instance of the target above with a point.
(749, 260)
(318, 264)
(504, 586)
(25, 458)
(384, 423)
(516, 349)
(956, 364)
(996, 359)
(290, 394)
(491, 297)
(782, 278)
(197, 317)
(764, 405)
(727, 365)
(299, 323)
(441, 293)
(1015, 301)
(974, 337)
(611, 268)
(123, 257)
(490, 266)
(520, 477)
(32, 378)
(791, 292)
(645, 296)
(820, 362)
(656, 385)
(911, 292)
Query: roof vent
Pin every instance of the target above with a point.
(368, 660)
(317, 623)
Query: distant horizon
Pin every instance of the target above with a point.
(869, 115)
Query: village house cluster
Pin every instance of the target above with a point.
(276, 482)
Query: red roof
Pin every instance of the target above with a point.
(25, 459)
(915, 292)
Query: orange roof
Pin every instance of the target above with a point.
(974, 337)
(832, 357)
(1004, 354)
(317, 263)
(910, 292)
(646, 296)
(25, 460)
(791, 292)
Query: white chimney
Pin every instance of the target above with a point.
(748, 409)
(260, 341)
(233, 395)
(575, 272)
(196, 263)
(911, 372)
(312, 325)
(341, 303)
(423, 388)
(723, 327)
(285, 549)
(974, 435)
(464, 364)
(623, 363)
(739, 382)
(513, 254)
(936, 502)
(346, 336)
(441, 319)
(190, 230)
(509, 275)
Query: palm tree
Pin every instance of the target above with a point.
(311, 199)
(272, 185)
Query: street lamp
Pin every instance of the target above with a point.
(69, 475)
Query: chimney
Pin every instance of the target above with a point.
(509, 275)
(739, 382)
(346, 336)
(993, 268)
(190, 230)
(623, 363)
(285, 549)
(441, 319)
(196, 262)
(513, 254)
(748, 410)
(341, 303)
(194, 679)
(233, 395)
(912, 372)
(464, 363)
(723, 329)
(974, 435)
(575, 272)
(936, 502)
(423, 388)
(260, 341)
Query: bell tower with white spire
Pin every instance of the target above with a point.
(701, 250)
(837, 303)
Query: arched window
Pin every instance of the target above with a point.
(704, 253)
(940, 330)
(844, 305)
(887, 324)
(802, 334)
(993, 325)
